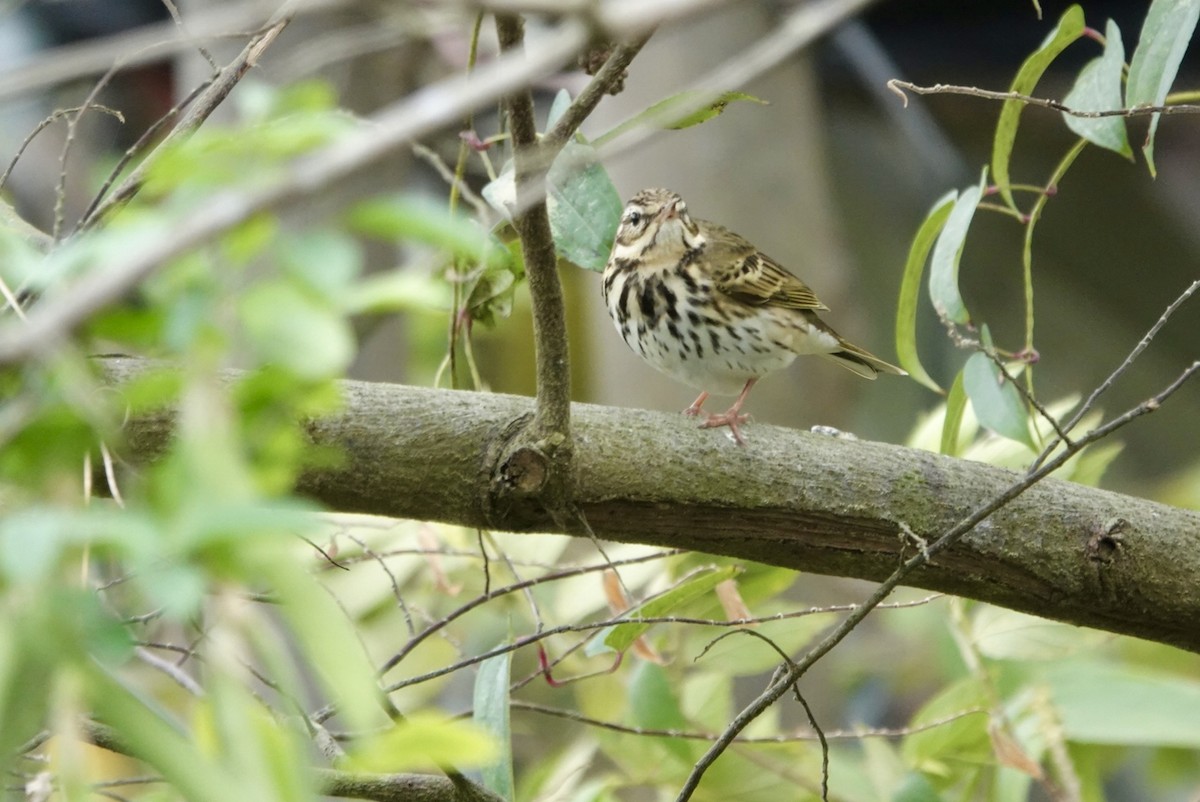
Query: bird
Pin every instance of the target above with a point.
(703, 305)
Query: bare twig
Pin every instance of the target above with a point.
(217, 90)
(1120, 370)
(58, 114)
(898, 87)
(799, 29)
(420, 113)
(143, 45)
(947, 539)
(583, 105)
(692, 735)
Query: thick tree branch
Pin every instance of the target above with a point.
(793, 499)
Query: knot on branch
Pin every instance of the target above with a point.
(531, 477)
(1107, 540)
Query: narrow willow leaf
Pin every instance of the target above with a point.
(677, 112)
(956, 404)
(997, 404)
(1165, 36)
(1098, 88)
(947, 253)
(910, 289)
(492, 714)
(1069, 28)
(695, 586)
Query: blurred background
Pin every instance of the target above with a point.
(831, 179)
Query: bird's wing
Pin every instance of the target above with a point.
(743, 272)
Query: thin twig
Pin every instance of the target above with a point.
(945, 541)
(420, 113)
(585, 103)
(692, 735)
(898, 87)
(1120, 370)
(145, 44)
(221, 84)
(54, 116)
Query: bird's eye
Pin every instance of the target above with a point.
(635, 218)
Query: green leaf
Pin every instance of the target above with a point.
(333, 648)
(654, 705)
(584, 207)
(158, 742)
(1008, 635)
(1139, 707)
(404, 218)
(492, 715)
(947, 253)
(397, 291)
(916, 788)
(963, 738)
(1166, 32)
(1070, 27)
(956, 404)
(997, 404)
(428, 742)
(296, 331)
(679, 111)
(1098, 88)
(326, 261)
(581, 200)
(622, 636)
(910, 289)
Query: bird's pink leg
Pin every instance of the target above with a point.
(732, 417)
(695, 408)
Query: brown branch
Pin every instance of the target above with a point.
(793, 499)
(552, 419)
(212, 96)
(607, 77)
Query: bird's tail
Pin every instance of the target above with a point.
(863, 362)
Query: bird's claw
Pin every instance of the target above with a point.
(732, 419)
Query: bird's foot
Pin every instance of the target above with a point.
(731, 418)
(697, 406)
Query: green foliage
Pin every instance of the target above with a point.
(1069, 29)
(1166, 33)
(221, 626)
(998, 405)
(1098, 88)
(491, 712)
(679, 111)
